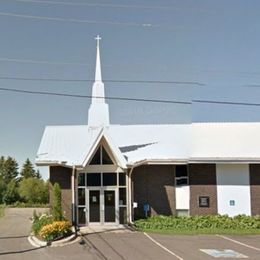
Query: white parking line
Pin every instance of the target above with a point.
(239, 243)
(163, 247)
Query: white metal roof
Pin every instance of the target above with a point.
(176, 142)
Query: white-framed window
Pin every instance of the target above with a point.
(181, 175)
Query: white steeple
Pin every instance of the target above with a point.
(98, 113)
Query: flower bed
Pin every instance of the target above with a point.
(46, 228)
(55, 230)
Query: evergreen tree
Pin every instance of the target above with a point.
(57, 209)
(2, 189)
(2, 163)
(28, 170)
(8, 169)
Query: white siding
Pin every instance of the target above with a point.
(233, 185)
(182, 194)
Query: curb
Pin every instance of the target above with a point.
(34, 241)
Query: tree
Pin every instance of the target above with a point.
(34, 190)
(11, 194)
(57, 209)
(2, 189)
(28, 170)
(8, 169)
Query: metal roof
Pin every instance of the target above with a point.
(196, 142)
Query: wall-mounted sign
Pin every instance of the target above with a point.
(135, 205)
(232, 203)
(204, 201)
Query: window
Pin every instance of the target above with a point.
(81, 216)
(181, 175)
(93, 179)
(122, 179)
(96, 160)
(204, 201)
(101, 157)
(122, 196)
(110, 179)
(105, 157)
(81, 179)
(81, 196)
(182, 212)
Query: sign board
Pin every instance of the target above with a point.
(135, 205)
(146, 207)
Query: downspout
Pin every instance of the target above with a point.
(130, 195)
(73, 206)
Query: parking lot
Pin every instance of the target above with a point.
(15, 227)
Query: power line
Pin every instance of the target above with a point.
(133, 99)
(105, 80)
(88, 96)
(42, 62)
(74, 20)
(98, 4)
(225, 102)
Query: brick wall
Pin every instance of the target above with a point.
(62, 176)
(154, 184)
(254, 170)
(202, 179)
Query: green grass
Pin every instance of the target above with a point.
(203, 231)
(2, 210)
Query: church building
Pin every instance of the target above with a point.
(114, 174)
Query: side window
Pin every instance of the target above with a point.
(181, 175)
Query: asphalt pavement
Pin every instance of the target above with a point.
(15, 228)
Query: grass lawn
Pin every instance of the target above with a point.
(209, 231)
(2, 209)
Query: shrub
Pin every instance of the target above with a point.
(57, 209)
(11, 194)
(33, 190)
(40, 221)
(55, 230)
(199, 222)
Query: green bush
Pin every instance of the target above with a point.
(241, 222)
(39, 221)
(57, 209)
(33, 190)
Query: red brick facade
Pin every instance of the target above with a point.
(62, 176)
(154, 184)
(255, 188)
(202, 180)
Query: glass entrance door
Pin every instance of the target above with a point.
(109, 206)
(94, 206)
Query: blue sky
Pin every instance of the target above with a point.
(211, 42)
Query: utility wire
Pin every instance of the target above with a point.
(74, 20)
(98, 4)
(88, 96)
(42, 62)
(225, 102)
(105, 80)
(133, 99)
